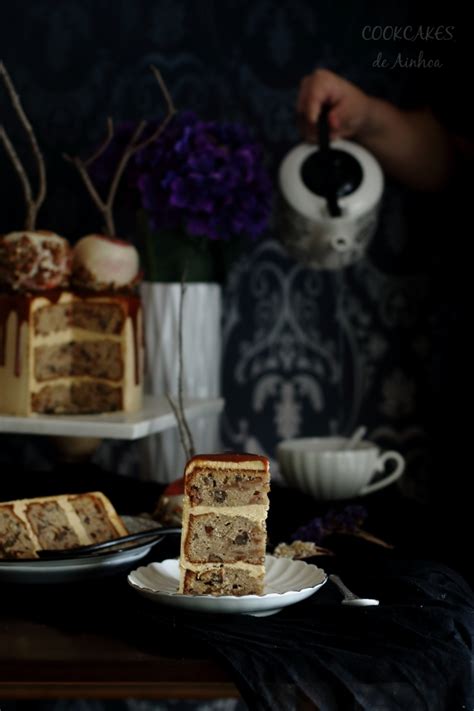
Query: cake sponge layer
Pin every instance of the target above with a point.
(15, 539)
(221, 538)
(223, 580)
(208, 486)
(98, 317)
(77, 397)
(97, 359)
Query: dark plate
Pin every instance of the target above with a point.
(80, 567)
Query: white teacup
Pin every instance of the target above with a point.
(321, 467)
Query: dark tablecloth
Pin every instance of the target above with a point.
(413, 652)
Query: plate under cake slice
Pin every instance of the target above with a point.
(223, 537)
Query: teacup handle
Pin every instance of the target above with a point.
(380, 466)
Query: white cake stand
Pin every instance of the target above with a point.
(77, 436)
(155, 416)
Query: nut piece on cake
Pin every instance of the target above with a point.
(223, 539)
(34, 261)
(104, 263)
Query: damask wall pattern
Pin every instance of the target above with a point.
(306, 352)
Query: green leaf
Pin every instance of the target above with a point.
(166, 255)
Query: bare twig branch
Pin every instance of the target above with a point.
(164, 90)
(105, 206)
(21, 174)
(170, 110)
(33, 204)
(181, 364)
(372, 539)
(178, 408)
(128, 153)
(81, 167)
(360, 533)
(182, 431)
(104, 145)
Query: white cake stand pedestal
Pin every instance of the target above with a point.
(78, 436)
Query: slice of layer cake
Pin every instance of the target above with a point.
(56, 522)
(223, 538)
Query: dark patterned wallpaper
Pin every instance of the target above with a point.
(306, 352)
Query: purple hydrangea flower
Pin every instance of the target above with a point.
(203, 178)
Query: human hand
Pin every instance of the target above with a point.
(349, 112)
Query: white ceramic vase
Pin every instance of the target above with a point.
(164, 457)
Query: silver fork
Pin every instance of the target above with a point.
(351, 598)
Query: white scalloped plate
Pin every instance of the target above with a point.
(286, 582)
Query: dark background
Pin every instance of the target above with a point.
(385, 342)
(305, 352)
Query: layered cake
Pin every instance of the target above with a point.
(69, 350)
(56, 522)
(223, 537)
(70, 321)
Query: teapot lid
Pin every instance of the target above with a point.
(355, 186)
(332, 174)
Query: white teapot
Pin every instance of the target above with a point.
(331, 195)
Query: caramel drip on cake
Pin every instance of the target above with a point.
(134, 307)
(224, 524)
(20, 304)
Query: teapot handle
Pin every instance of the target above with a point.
(323, 129)
(324, 149)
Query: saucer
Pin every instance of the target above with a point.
(286, 582)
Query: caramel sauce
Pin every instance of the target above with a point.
(231, 457)
(134, 307)
(131, 305)
(21, 306)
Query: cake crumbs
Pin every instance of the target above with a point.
(299, 550)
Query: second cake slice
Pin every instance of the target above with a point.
(224, 524)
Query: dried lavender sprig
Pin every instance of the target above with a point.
(350, 519)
